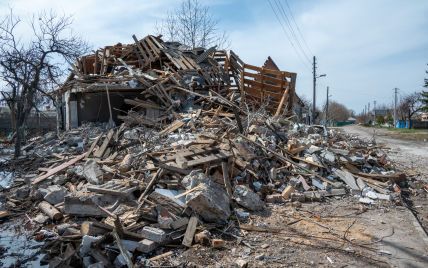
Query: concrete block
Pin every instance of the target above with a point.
(154, 234)
(147, 246)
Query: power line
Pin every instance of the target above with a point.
(298, 28)
(287, 35)
(290, 27)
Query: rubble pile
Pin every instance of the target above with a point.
(124, 196)
(182, 164)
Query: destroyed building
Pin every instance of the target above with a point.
(206, 143)
(156, 75)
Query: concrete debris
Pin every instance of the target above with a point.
(92, 172)
(55, 194)
(245, 197)
(154, 234)
(208, 199)
(188, 151)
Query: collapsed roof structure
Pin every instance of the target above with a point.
(157, 77)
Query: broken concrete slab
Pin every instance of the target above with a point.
(210, 200)
(86, 204)
(245, 197)
(55, 194)
(347, 177)
(92, 172)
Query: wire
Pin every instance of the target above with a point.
(290, 27)
(298, 28)
(288, 37)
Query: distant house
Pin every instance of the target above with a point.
(351, 120)
(424, 117)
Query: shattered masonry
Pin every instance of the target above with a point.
(207, 141)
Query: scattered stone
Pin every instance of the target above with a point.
(41, 218)
(218, 243)
(22, 192)
(92, 172)
(245, 197)
(85, 245)
(240, 263)
(260, 257)
(55, 194)
(203, 238)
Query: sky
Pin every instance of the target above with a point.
(365, 47)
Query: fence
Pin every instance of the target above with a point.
(35, 122)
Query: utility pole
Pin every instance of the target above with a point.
(314, 72)
(374, 111)
(326, 108)
(395, 106)
(365, 113)
(368, 112)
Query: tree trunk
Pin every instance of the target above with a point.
(13, 119)
(57, 104)
(18, 141)
(410, 120)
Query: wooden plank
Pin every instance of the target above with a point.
(144, 104)
(269, 71)
(187, 153)
(276, 80)
(226, 179)
(140, 48)
(261, 85)
(155, 46)
(4, 214)
(59, 168)
(172, 127)
(208, 159)
(190, 231)
(100, 152)
(92, 146)
(281, 103)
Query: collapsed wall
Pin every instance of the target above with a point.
(156, 77)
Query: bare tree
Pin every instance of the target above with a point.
(193, 25)
(336, 112)
(31, 69)
(410, 105)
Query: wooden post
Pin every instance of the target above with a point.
(50, 210)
